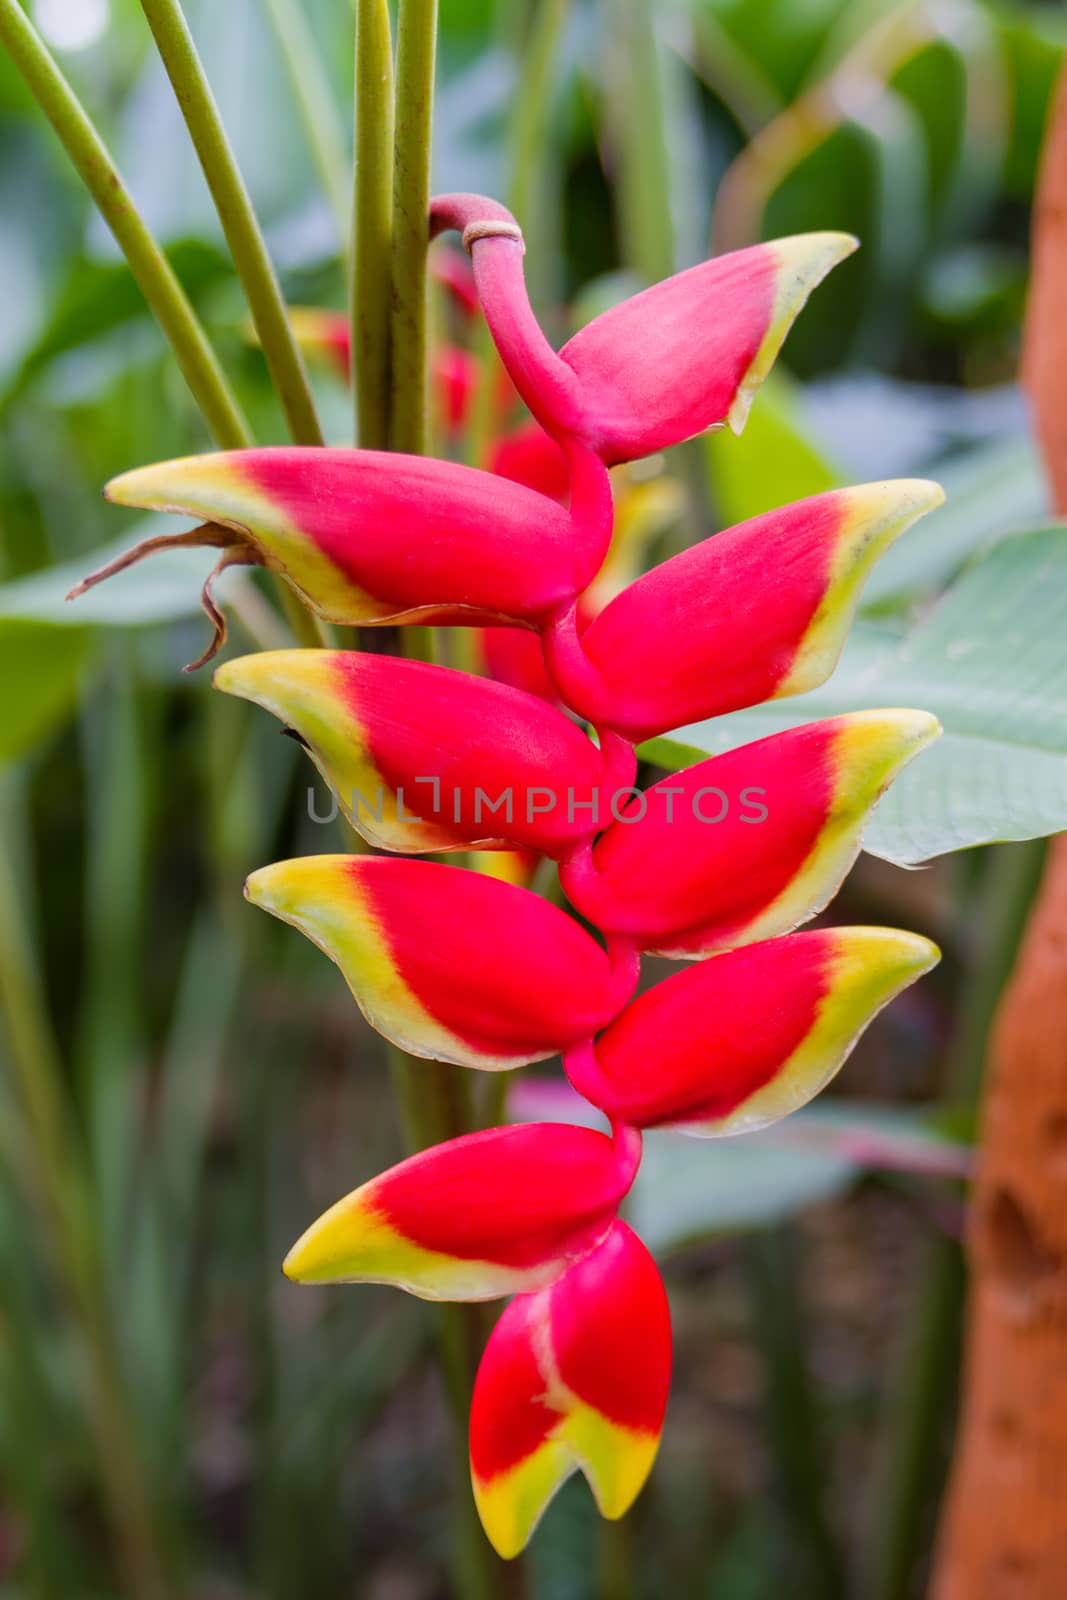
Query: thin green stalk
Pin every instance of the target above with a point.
(416, 47)
(154, 276)
(60, 1172)
(236, 214)
(645, 167)
(648, 245)
(372, 223)
(530, 188)
(533, 106)
(120, 754)
(779, 1325)
(921, 1398)
(435, 1105)
(314, 99)
(434, 1098)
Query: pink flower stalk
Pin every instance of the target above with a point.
(719, 864)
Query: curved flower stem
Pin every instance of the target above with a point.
(59, 1167)
(416, 47)
(372, 223)
(153, 273)
(311, 90)
(234, 206)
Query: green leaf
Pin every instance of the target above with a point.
(989, 492)
(99, 297)
(775, 460)
(989, 661)
(688, 1189)
(878, 1137)
(40, 668)
(163, 589)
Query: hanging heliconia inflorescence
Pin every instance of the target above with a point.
(720, 863)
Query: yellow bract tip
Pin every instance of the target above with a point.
(801, 262)
(206, 486)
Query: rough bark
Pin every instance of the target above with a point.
(1004, 1526)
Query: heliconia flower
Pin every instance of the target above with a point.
(748, 844)
(746, 1037)
(448, 963)
(461, 545)
(454, 376)
(425, 758)
(690, 353)
(453, 271)
(755, 613)
(322, 333)
(489, 1214)
(674, 360)
(573, 1378)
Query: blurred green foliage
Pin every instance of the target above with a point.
(293, 1444)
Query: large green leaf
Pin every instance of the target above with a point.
(990, 661)
(996, 490)
(40, 666)
(98, 297)
(691, 1188)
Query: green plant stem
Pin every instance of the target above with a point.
(779, 1326)
(236, 214)
(372, 223)
(153, 273)
(314, 99)
(434, 1098)
(435, 1105)
(416, 46)
(59, 1168)
(531, 184)
(921, 1397)
(640, 126)
(533, 104)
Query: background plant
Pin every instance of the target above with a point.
(174, 1094)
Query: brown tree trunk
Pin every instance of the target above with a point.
(1004, 1526)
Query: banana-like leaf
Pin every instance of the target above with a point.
(989, 662)
(40, 669)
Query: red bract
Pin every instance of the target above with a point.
(426, 758)
(450, 964)
(683, 356)
(574, 1378)
(463, 545)
(743, 1039)
(748, 844)
(531, 456)
(484, 1216)
(720, 862)
(756, 613)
